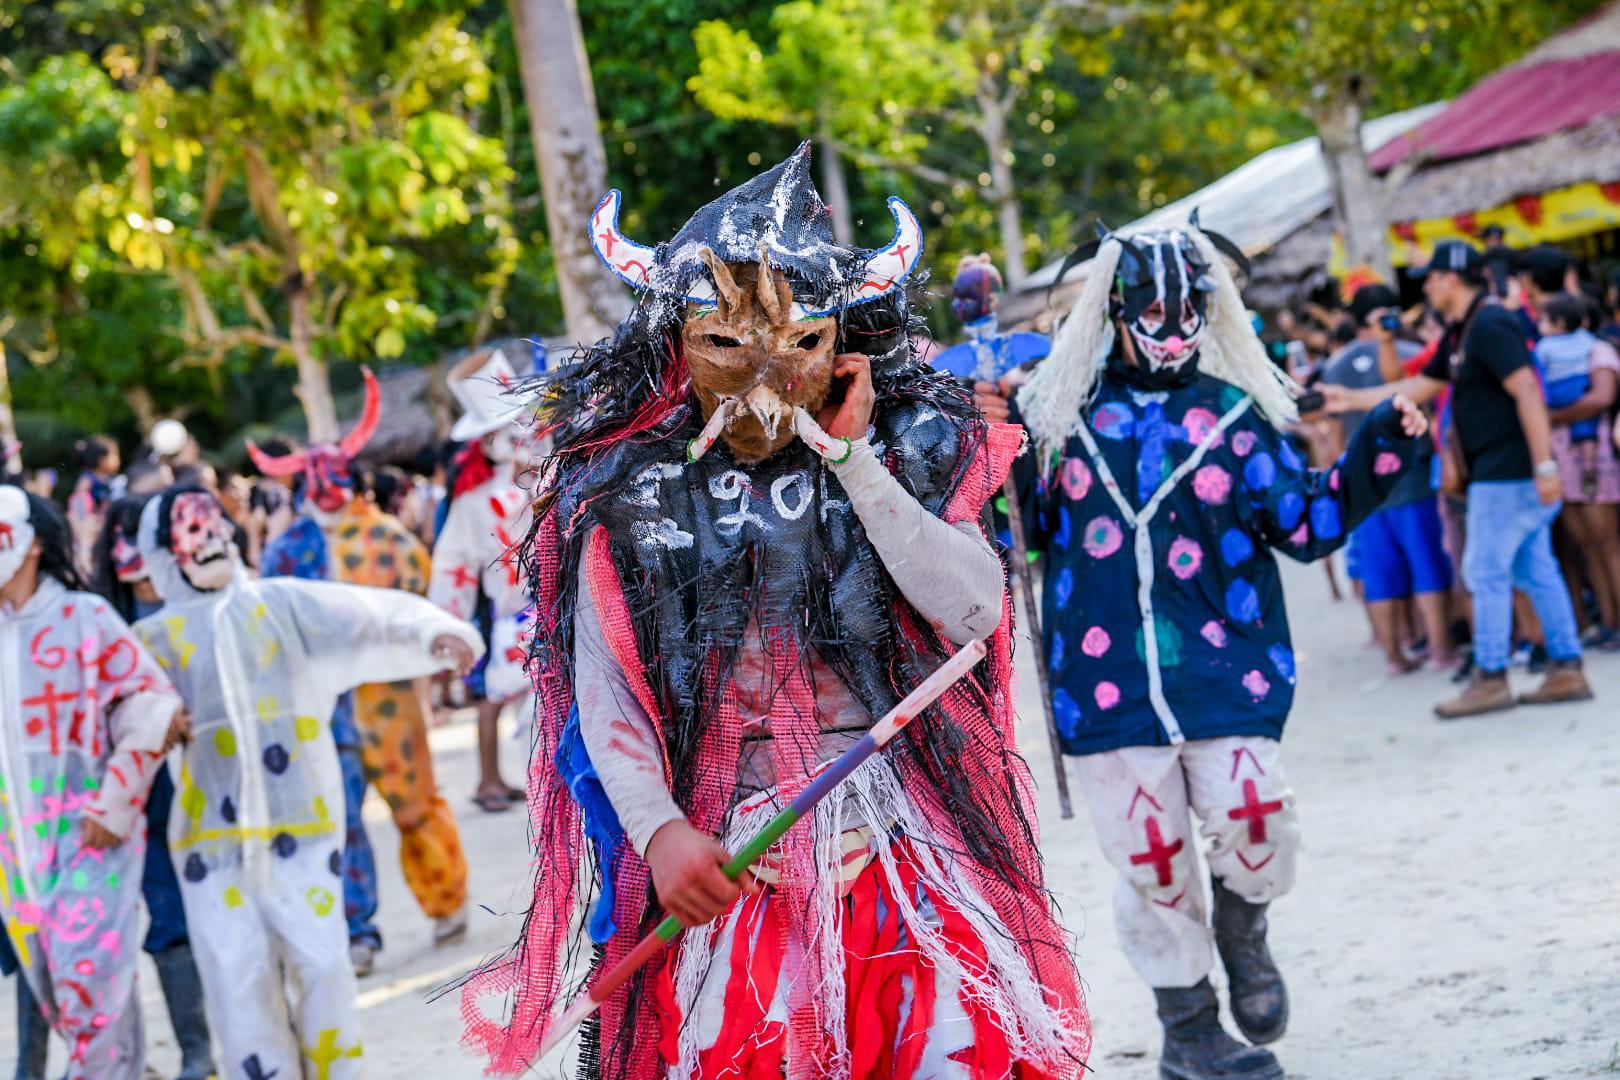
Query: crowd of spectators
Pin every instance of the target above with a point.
(1509, 540)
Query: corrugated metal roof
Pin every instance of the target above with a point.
(1264, 200)
(1514, 106)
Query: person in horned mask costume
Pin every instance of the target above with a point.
(759, 529)
(382, 728)
(257, 831)
(1154, 425)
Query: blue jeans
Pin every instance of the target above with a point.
(1509, 546)
(359, 866)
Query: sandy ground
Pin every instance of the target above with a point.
(1457, 914)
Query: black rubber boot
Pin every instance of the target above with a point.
(1259, 998)
(33, 1034)
(183, 993)
(1196, 1047)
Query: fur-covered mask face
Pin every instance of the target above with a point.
(749, 356)
(1161, 294)
(16, 532)
(202, 540)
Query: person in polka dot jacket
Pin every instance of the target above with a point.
(1161, 488)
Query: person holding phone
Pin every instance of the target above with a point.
(1398, 551)
(1515, 488)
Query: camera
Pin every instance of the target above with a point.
(1390, 322)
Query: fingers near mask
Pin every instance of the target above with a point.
(749, 355)
(202, 540)
(1162, 296)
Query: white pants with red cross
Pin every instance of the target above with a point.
(1140, 798)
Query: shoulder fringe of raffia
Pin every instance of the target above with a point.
(1053, 400)
(874, 794)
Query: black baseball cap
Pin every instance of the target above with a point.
(1369, 298)
(1454, 255)
(1492, 232)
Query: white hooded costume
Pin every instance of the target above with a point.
(474, 549)
(84, 711)
(257, 834)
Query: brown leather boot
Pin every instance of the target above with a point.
(1565, 681)
(1487, 692)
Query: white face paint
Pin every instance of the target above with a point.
(16, 533)
(501, 445)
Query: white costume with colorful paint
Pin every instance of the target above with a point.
(257, 834)
(85, 711)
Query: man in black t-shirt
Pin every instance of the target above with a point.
(1499, 430)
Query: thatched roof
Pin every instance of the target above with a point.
(1598, 32)
(1467, 185)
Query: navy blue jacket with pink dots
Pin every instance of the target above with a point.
(1163, 513)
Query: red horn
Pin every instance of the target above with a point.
(356, 440)
(290, 465)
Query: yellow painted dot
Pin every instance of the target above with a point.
(321, 812)
(233, 896)
(193, 802)
(320, 899)
(308, 727)
(225, 742)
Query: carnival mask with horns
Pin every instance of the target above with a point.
(1161, 295)
(761, 281)
(327, 482)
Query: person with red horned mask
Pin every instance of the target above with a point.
(759, 530)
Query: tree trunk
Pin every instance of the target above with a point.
(833, 187)
(8, 424)
(573, 165)
(1358, 195)
(314, 388)
(1003, 192)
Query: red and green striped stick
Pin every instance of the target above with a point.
(874, 740)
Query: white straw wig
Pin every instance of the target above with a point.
(1053, 400)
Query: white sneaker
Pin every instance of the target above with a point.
(451, 928)
(363, 955)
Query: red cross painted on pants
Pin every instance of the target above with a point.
(463, 578)
(1158, 853)
(1256, 812)
(50, 701)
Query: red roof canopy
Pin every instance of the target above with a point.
(1513, 106)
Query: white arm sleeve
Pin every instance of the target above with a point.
(354, 634)
(618, 734)
(947, 572)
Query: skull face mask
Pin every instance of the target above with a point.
(16, 532)
(750, 357)
(202, 540)
(1161, 295)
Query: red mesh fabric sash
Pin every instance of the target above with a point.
(529, 979)
(887, 976)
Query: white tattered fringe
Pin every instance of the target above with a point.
(873, 794)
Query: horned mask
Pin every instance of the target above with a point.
(761, 282)
(328, 484)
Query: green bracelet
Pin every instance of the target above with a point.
(849, 448)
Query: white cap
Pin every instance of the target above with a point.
(483, 383)
(169, 437)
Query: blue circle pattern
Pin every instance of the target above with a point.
(1290, 508)
(1325, 521)
(1242, 602)
(1236, 547)
(1064, 589)
(1067, 713)
(1260, 471)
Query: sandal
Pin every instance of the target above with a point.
(493, 802)
(517, 794)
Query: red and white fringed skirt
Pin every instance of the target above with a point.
(890, 970)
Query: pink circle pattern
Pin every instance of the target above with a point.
(1103, 537)
(1076, 479)
(1212, 484)
(1185, 557)
(1107, 695)
(1096, 642)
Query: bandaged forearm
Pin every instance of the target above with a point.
(618, 735)
(947, 572)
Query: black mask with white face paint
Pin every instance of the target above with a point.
(1161, 296)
